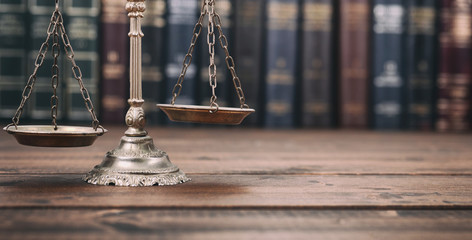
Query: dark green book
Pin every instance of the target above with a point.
(153, 26)
(82, 26)
(39, 104)
(421, 67)
(248, 55)
(12, 55)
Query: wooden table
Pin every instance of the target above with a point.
(249, 184)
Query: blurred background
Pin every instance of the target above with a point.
(359, 64)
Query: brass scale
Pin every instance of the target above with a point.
(136, 161)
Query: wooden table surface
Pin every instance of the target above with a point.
(248, 184)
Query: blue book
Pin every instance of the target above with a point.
(317, 79)
(421, 65)
(181, 19)
(12, 55)
(388, 68)
(281, 63)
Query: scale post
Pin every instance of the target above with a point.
(136, 161)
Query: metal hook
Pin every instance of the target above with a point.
(103, 130)
(57, 5)
(214, 104)
(11, 124)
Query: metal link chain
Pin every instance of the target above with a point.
(188, 57)
(37, 64)
(55, 76)
(56, 28)
(208, 7)
(229, 61)
(211, 40)
(69, 51)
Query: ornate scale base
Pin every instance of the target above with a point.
(136, 162)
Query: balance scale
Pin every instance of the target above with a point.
(136, 161)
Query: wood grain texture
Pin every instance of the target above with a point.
(233, 224)
(245, 191)
(248, 184)
(251, 151)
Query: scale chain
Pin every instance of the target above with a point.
(55, 76)
(211, 40)
(188, 57)
(229, 60)
(38, 63)
(69, 51)
(208, 7)
(56, 28)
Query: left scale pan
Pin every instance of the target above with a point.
(46, 136)
(54, 135)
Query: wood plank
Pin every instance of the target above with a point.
(233, 224)
(245, 191)
(243, 151)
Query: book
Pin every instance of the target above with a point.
(317, 78)
(114, 61)
(281, 49)
(181, 18)
(224, 8)
(388, 68)
(454, 79)
(82, 26)
(248, 55)
(13, 19)
(421, 63)
(153, 56)
(354, 44)
(39, 104)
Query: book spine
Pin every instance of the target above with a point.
(12, 55)
(153, 27)
(454, 80)
(317, 79)
(82, 26)
(421, 55)
(39, 104)
(114, 61)
(281, 62)
(224, 8)
(182, 16)
(354, 63)
(248, 56)
(387, 64)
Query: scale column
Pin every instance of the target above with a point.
(135, 117)
(136, 161)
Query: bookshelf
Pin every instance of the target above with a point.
(348, 63)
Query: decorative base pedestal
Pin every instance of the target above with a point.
(136, 162)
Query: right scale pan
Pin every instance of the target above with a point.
(204, 114)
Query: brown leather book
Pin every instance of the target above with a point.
(454, 80)
(114, 59)
(354, 45)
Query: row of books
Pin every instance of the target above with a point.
(382, 64)
(23, 29)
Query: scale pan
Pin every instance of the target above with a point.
(46, 136)
(202, 114)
